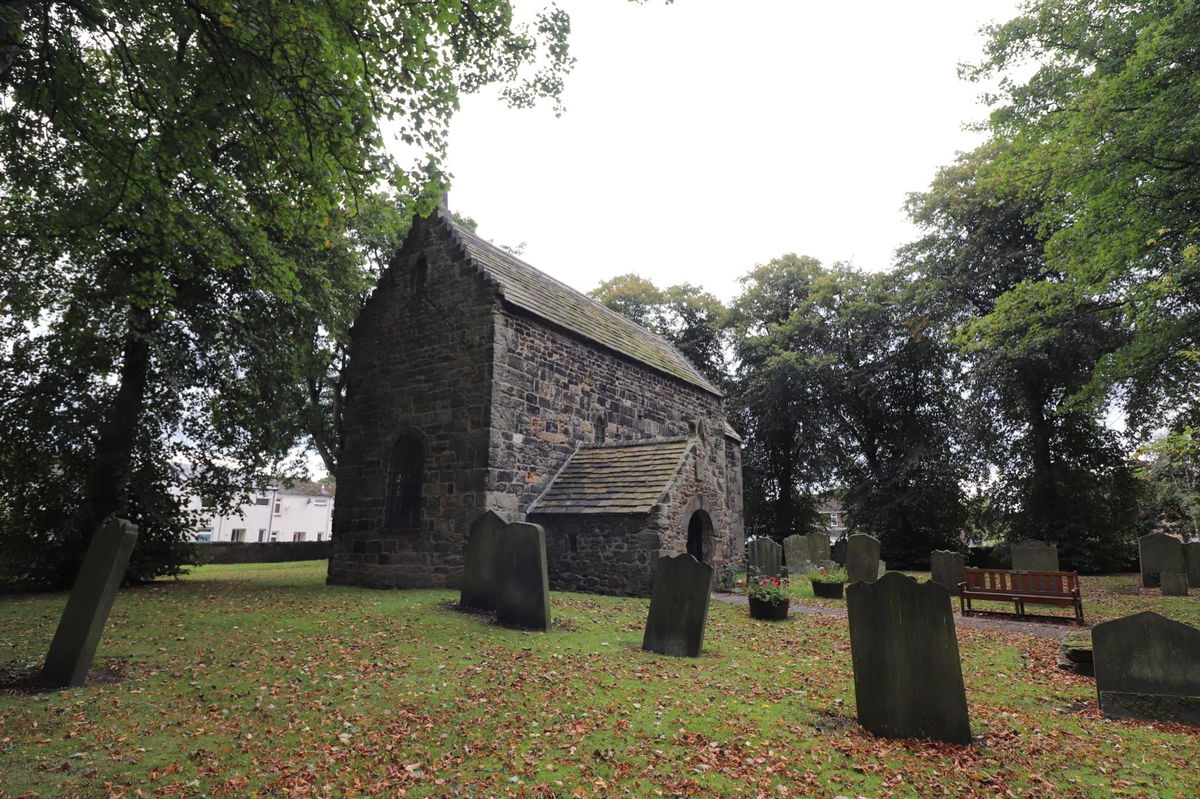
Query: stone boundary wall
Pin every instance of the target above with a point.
(277, 552)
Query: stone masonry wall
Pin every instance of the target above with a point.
(556, 387)
(420, 363)
(599, 553)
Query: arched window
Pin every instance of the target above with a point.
(406, 467)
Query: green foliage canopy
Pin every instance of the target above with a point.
(187, 195)
(1105, 134)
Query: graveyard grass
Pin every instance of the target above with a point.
(260, 680)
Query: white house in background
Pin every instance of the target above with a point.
(833, 515)
(298, 512)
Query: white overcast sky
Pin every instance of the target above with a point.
(704, 137)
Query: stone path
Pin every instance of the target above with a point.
(1047, 629)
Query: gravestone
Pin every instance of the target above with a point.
(522, 585)
(78, 634)
(1158, 553)
(862, 558)
(678, 607)
(946, 568)
(1191, 562)
(765, 558)
(1148, 667)
(1034, 556)
(907, 674)
(796, 555)
(1174, 583)
(479, 566)
(818, 548)
(837, 552)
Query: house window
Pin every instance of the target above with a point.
(204, 535)
(320, 501)
(320, 536)
(262, 498)
(274, 536)
(601, 426)
(402, 503)
(262, 534)
(298, 536)
(238, 534)
(278, 504)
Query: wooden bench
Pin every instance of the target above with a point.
(1020, 588)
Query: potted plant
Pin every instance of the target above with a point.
(768, 598)
(827, 581)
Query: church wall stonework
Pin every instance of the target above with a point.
(420, 363)
(502, 399)
(562, 390)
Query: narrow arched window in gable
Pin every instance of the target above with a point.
(406, 468)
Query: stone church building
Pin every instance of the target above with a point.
(476, 382)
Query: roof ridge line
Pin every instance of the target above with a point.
(458, 233)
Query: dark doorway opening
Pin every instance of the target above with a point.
(699, 528)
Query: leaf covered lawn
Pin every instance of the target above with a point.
(261, 681)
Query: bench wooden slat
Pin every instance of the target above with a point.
(1019, 587)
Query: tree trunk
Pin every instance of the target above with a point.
(1043, 489)
(108, 475)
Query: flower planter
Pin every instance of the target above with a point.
(828, 590)
(769, 611)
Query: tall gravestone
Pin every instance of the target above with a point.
(78, 634)
(837, 552)
(947, 568)
(1034, 556)
(1174, 583)
(479, 562)
(678, 607)
(1148, 667)
(862, 558)
(907, 674)
(796, 554)
(522, 583)
(765, 558)
(1191, 562)
(818, 548)
(1158, 553)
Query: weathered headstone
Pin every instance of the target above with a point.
(1191, 562)
(765, 558)
(907, 674)
(862, 558)
(946, 568)
(1174, 583)
(1158, 553)
(818, 548)
(796, 555)
(837, 552)
(1034, 556)
(78, 634)
(522, 584)
(678, 607)
(1148, 667)
(479, 566)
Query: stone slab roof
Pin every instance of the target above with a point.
(629, 477)
(525, 287)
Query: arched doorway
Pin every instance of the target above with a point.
(699, 533)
